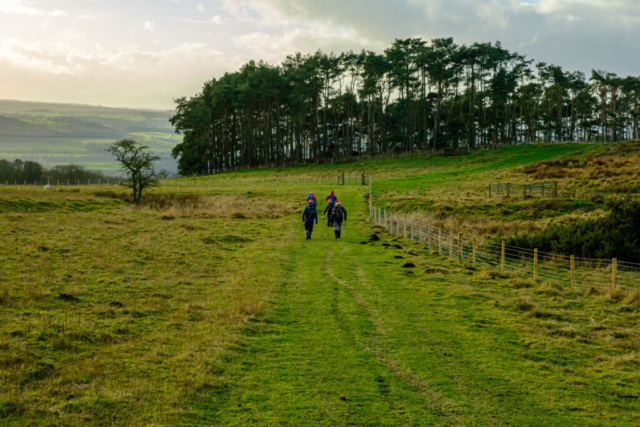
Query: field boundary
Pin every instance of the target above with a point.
(525, 264)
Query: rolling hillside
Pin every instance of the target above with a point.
(61, 133)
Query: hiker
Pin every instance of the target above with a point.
(308, 216)
(331, 197)
(339, 214)
(331, 203)
(312, 198)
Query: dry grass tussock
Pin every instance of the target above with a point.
(172, 205)
(478, 226)
(619, 166)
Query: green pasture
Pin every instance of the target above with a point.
(206, 306)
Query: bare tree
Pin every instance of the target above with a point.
(137, 163)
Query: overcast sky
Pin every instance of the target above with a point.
(144, 53)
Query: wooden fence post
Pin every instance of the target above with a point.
(535, 264)
(370, 192)
(404, 227)
(459, 247)
(502, 258)
(451, 245)
(473, 244)
(614, 274)
(572, 260)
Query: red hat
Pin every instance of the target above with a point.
(310, 202)
(338, 202)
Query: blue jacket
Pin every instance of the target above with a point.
(304, 216)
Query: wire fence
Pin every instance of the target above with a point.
(218, 181)
(324, 179)
(542, 189)
(566, 271)
(62, 182)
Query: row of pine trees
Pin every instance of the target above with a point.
(417, 95)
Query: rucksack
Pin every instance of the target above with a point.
(311, 212)
(337, 213)
(332, 203)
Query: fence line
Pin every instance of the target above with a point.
(508, 189)
(62, 182)
(524, 263)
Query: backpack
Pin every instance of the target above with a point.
(313, 199)
(311, 212)
(332, 203)
(337, 213)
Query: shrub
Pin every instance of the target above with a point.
(616, 235)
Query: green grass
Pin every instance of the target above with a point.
(180, 316)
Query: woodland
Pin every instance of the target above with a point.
(416, 95)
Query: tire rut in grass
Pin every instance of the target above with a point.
(438, 404)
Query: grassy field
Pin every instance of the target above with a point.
(206, 306)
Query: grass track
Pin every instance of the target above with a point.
(354, 339)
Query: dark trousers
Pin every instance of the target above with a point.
(337, 228)
(308, 227)
(329, 221)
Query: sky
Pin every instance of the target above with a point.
(145, 53)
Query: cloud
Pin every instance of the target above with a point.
(38, 57)
(41, 57)
(18, 7)
(62, 57)
(576, 34)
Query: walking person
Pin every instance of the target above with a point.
(339, 215)
(331, 203)
(309, 215)
(312, 198)
(331, 197)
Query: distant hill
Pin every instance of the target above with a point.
(70, 133)
(15, 127)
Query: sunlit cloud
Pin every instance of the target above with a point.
(168, 49)
(19, 7)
